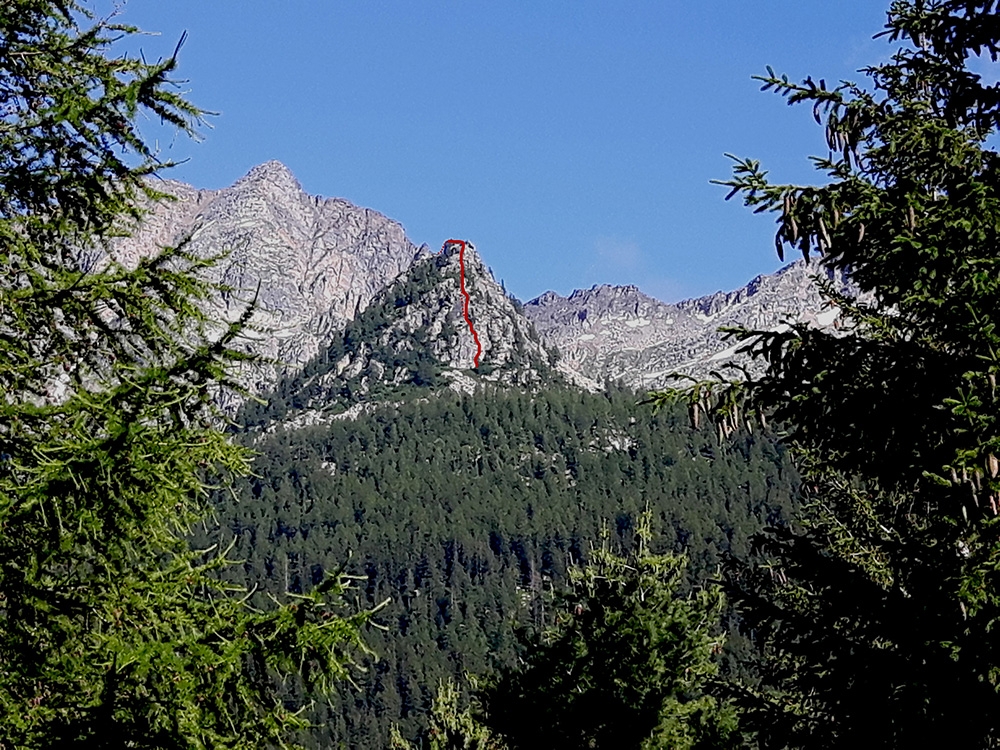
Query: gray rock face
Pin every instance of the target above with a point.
(511, 348)
(318, 261)
(619, 333)
(321, 263)
(413, 335)
(415, 332)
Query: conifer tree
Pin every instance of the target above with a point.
(876, 613)
(113, 632)
(624, 664)
(451, 727)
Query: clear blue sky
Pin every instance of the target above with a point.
(572, 141)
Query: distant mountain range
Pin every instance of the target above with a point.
(618, 333)
(343, 282)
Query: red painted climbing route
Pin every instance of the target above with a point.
(465, 307)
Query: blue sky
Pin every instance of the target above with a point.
(571, 141)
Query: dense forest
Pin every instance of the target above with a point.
(462, 510)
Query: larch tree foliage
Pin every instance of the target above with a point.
(876, 614)
(113, 632)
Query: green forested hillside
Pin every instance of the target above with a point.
(462, 509)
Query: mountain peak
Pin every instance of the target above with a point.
(600, 291)
(546, 298)
(453, 249)
(619, 333)
(320, 264)
(272, 173)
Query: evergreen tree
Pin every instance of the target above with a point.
(451, 727)
(624, 664)
(113, 632)
(450, 507)
(875, 615)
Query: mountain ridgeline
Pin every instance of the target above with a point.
(459, 493)
(413, 334)
(315, 265)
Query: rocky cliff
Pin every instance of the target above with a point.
(414, 336)
(351, 307)
(618, 333)
(319, 262)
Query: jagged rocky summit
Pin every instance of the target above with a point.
(351, 308)
(415, 333)
(618, 333)
(317, 262)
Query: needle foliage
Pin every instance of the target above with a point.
(625, 662)
(113, 632)
(876, 613)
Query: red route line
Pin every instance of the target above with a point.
(465, 307)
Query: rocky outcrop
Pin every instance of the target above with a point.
(318, 262)
(618, 333)
(512, 351)
(414, 335)
(416, 331)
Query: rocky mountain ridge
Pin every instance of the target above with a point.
(414, 334)
(346, 299)
(318, 262)
(618, 333)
